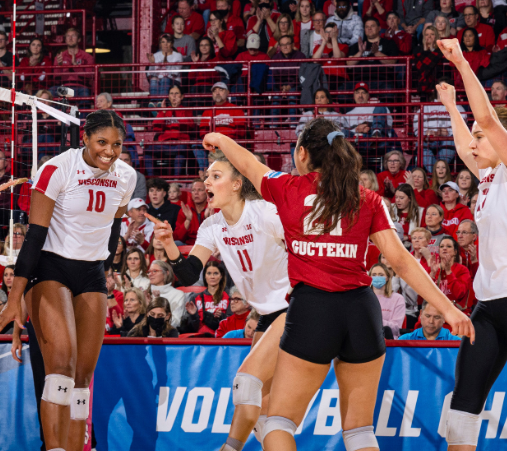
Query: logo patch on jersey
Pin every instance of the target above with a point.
(80, 172)
(274, 174)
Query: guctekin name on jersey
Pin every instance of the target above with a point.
(341, 250)
(238, 241)
(99, 182)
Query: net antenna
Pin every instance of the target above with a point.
(18, 98)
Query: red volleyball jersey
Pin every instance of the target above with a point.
(333, 261)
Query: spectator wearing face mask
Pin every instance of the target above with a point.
(161, 278)
(392, 304)
(157, 322)
(240, 310)
(248, 331)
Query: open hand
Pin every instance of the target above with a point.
(117, 319)
(191, 308)
(12, 311)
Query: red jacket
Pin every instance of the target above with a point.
(68, 70)
(502, 39)
(426, 197)
(253, 20)
(203, 5)
(397, 180)
(476, 60)
(204, 302)
(230, 122)
(453, 218)
(194, 24)
(486, 35)
(457, 286)
(189, 235)
(386, 4)
(171, 127)
(200, 77)
(234, 24)
(402, 39)
(230, 47)
(32, 74)
(234, 322)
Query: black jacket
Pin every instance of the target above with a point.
(126, 327)
(167, 212)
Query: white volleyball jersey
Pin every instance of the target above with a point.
(491, 217)
(253, 251)
(87, 200)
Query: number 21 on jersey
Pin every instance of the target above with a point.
(246, 262)
(307, 227)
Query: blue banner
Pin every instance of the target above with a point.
(178, 397)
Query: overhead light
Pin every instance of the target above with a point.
(98, 50)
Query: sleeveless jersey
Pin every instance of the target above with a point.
(86, 200)
(333, 261)
(253, 250)
(491, 217)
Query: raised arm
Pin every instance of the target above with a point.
(242, 159)
(461, 133)
(482, 109)
(408, 269)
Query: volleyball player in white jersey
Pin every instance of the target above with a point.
(78, 200)
(484, 151)
(250, 238)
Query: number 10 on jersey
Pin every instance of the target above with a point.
(245, 258)
(99, 199)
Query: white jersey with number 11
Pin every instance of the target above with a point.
(254, 253)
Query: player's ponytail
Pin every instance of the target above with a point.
(101, 119)
(248, 191)
(339, 164)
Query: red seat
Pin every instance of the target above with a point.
(185, 250)
(191, 289)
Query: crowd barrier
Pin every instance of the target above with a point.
(160, 394)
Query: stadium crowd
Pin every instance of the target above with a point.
(432, 208)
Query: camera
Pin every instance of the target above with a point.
(63, 91)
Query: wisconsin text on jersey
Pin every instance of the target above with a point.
(340, 250)
(99, 182)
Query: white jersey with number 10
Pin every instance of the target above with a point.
(253, 251)
(86, 201)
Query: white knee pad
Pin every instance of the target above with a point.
(247, 389)
(278, 424)
(259, 426)
(58, 389)
(462, 428)
(80, 404)
(359, 438)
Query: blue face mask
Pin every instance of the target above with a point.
(378, 281)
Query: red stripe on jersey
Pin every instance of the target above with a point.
(45, 177)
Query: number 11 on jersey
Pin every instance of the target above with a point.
(247, 259)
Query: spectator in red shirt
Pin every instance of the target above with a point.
(240, 311)
(331, 48)
(485, 32)
(202, 78)
(474, 53)
(401, 38)
(263, 23)
(493, 13)
(232, 22)
(453, 279)
(191, 217)
(173, 126)
(230, 122)
(408, 213)
(454, 211)
(136, 228)
(224, 41)
(194, 22)
(69, 60)
(418, 179)
(252, 52)
(284, 27)
(32, 70)
(378, 9)
(208, 308)
(467, 237)
(395, 175)
(303, 20)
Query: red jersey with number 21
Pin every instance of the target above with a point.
(334, 261)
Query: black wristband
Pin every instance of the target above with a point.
(113, 243)
(187, 270)
(30, 251)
